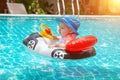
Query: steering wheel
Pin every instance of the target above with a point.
(46, 31)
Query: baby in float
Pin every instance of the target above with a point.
(67, 46)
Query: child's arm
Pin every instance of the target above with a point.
(61, 45)
(56, 37)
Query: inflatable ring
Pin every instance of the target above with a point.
(46, 32)
(39, 44)
(81, 44)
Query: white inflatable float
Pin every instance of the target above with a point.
(75, 49)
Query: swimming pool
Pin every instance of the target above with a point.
(16, 62)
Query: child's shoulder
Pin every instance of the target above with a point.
(70, 37)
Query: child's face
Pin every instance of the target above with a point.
(64, 30)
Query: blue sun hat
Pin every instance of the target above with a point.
(71, 21)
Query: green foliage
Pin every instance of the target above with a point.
(32, 6)
(35, 8)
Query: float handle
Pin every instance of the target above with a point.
(46, 32)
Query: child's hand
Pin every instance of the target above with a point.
(54, 45)
(51, 46)
(55, 37)
(57, 45)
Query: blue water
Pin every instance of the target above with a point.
(18, 63)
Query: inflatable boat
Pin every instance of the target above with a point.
(78, 48)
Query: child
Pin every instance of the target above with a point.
(68, 27)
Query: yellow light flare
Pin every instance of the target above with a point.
(117, 0)
(114, 6)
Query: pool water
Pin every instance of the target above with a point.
(18, 63)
